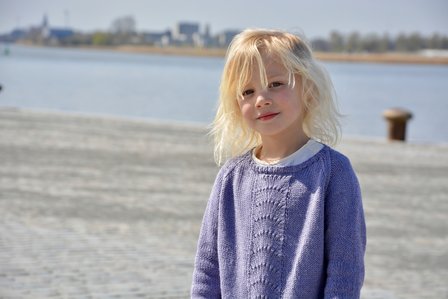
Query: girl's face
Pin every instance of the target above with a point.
(275, 110)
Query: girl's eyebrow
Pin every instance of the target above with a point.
(275, 75)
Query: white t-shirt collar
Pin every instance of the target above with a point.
(304, 153)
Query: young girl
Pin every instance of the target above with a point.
(285, 217)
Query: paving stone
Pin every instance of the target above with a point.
(102, 207)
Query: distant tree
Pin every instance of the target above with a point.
(372, 43)
(101, 39)
(401, 43)
(320, 44)
(354, 43)
(415, 42)
(336, 42)
(384, 43)
(434, 41)
(124, 25)
(444, 43)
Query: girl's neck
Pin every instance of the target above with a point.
(274, 149)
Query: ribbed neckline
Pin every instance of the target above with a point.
(283, 169)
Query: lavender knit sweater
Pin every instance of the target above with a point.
(282, 232)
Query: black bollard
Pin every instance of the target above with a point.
(397, 119)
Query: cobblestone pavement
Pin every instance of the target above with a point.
(98, 207)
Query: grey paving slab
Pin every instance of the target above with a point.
(101, 207)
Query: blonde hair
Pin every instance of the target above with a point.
(232, 137)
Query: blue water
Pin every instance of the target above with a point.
(185, 89)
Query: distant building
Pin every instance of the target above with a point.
(13, 36)
(207, 39)
(34, 34)
(45, 34)
(190, 34)
(54, 35)
(45, 28)
(226, 37)
(434, 53)
(158, 38)
(123, 31)
(60, 33)
(185, 33)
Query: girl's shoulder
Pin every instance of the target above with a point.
(235, 163)
(341, 172)
(338, 161)
(232, 168)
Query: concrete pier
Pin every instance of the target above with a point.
(101, 207)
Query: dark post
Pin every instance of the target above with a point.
(397, 119)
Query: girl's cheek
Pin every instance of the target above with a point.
(245, 110)
(242, 107)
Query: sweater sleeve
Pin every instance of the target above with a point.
(345, 232)
(206, 280)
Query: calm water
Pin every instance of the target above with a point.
(185, 89)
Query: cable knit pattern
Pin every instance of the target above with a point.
(282, 232)
(268, 230)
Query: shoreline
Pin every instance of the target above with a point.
(390, 57)
(195, 126)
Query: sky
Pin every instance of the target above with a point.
(314, 18)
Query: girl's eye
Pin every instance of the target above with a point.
(275, 84)
(248, 92)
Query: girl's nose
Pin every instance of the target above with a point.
(263, 99)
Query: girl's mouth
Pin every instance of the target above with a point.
(267, 116)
